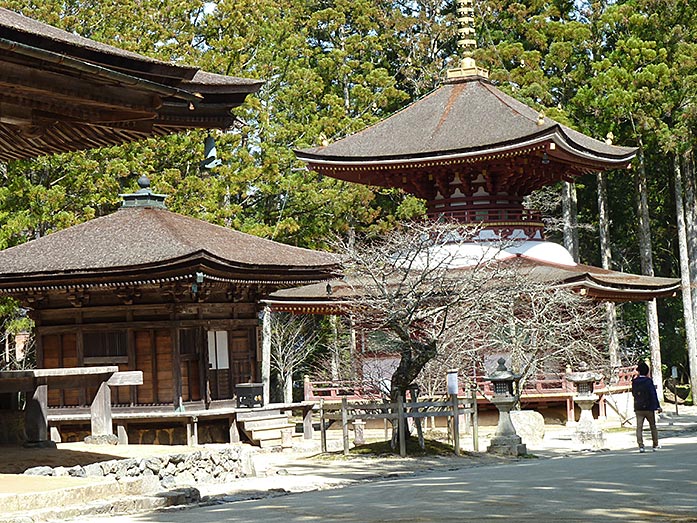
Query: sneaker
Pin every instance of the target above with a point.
(656, 448)
(642, 449)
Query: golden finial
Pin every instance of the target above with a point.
(609, 137)
(540, 118)
(467, 42)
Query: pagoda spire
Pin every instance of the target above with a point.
(467, 43)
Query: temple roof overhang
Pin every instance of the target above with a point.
(63, 92)
(143, 246)
(337, 296)
(466, 124)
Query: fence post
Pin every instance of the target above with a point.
(322, 427)
(400, 426)
(344, 424)
(456, 424)
(475, 421)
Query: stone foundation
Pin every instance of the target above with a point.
(176, 470)
(148, 433)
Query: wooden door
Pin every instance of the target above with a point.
(231, 360)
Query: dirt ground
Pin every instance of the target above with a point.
(15, 459)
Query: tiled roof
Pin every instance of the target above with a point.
(470, 116)
(598, 282)
(63, 92)
(148, 239)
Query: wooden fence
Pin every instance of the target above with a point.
(356, 412)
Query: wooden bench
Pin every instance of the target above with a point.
(36, 383)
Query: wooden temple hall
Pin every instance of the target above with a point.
(152, 313)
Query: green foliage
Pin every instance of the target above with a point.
(334, 67)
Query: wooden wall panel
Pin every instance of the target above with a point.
(191, 380)
(71, 397)
(52, 360)
(144, 362)
(165, 382)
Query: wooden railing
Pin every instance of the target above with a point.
(543, 386)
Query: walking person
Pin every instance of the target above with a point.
(645, 405)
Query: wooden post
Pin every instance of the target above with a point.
(100, 412)
(400, 427)
(55, 434)
(475, 421)
(266, 355)
(233, 429)
(322, 428)
(344, 424)
(36, 416)
(122, 434)
(177, 386)
(456, 424)
(307, 422)
(417, 421)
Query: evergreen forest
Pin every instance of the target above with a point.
(624, 71)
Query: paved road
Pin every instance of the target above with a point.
(620, 485)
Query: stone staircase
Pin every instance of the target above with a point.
(267, 428)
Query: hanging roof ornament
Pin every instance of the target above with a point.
(467, 43)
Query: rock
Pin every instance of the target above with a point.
(77, 471)
(102, 439)
(93, 470)
(168, 482)
(153, 464)
(529, 425)
(39, 471)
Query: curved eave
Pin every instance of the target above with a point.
(605, 292)
(307, 307)
(564, 148)
(219, 269)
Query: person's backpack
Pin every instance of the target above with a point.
(642, 394)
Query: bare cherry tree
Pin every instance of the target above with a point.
(448, 302)
(293, 339)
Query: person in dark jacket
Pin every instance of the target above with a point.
(645, 405)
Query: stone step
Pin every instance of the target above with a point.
(268, 423)
(252, 415)
(271, 433)
(108, 507)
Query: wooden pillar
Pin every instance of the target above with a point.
(344, 424)
(307, 422)
(122, 433)
(176, 370)
(132, 363)
(80, 352)
(153, 355)
(204, 368)
(192, 431)
(234, 431)
(100, 412)
(36, 416)
(266, 355)
(456, 423)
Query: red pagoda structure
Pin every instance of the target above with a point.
(473, 153)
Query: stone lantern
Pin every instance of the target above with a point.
(587, 430)
(505, 441)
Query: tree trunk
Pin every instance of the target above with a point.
(266, 355)
(646, 256)
(288, 387)
(687, 237)
(606, 259)
(335, 356)
(570, 211)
